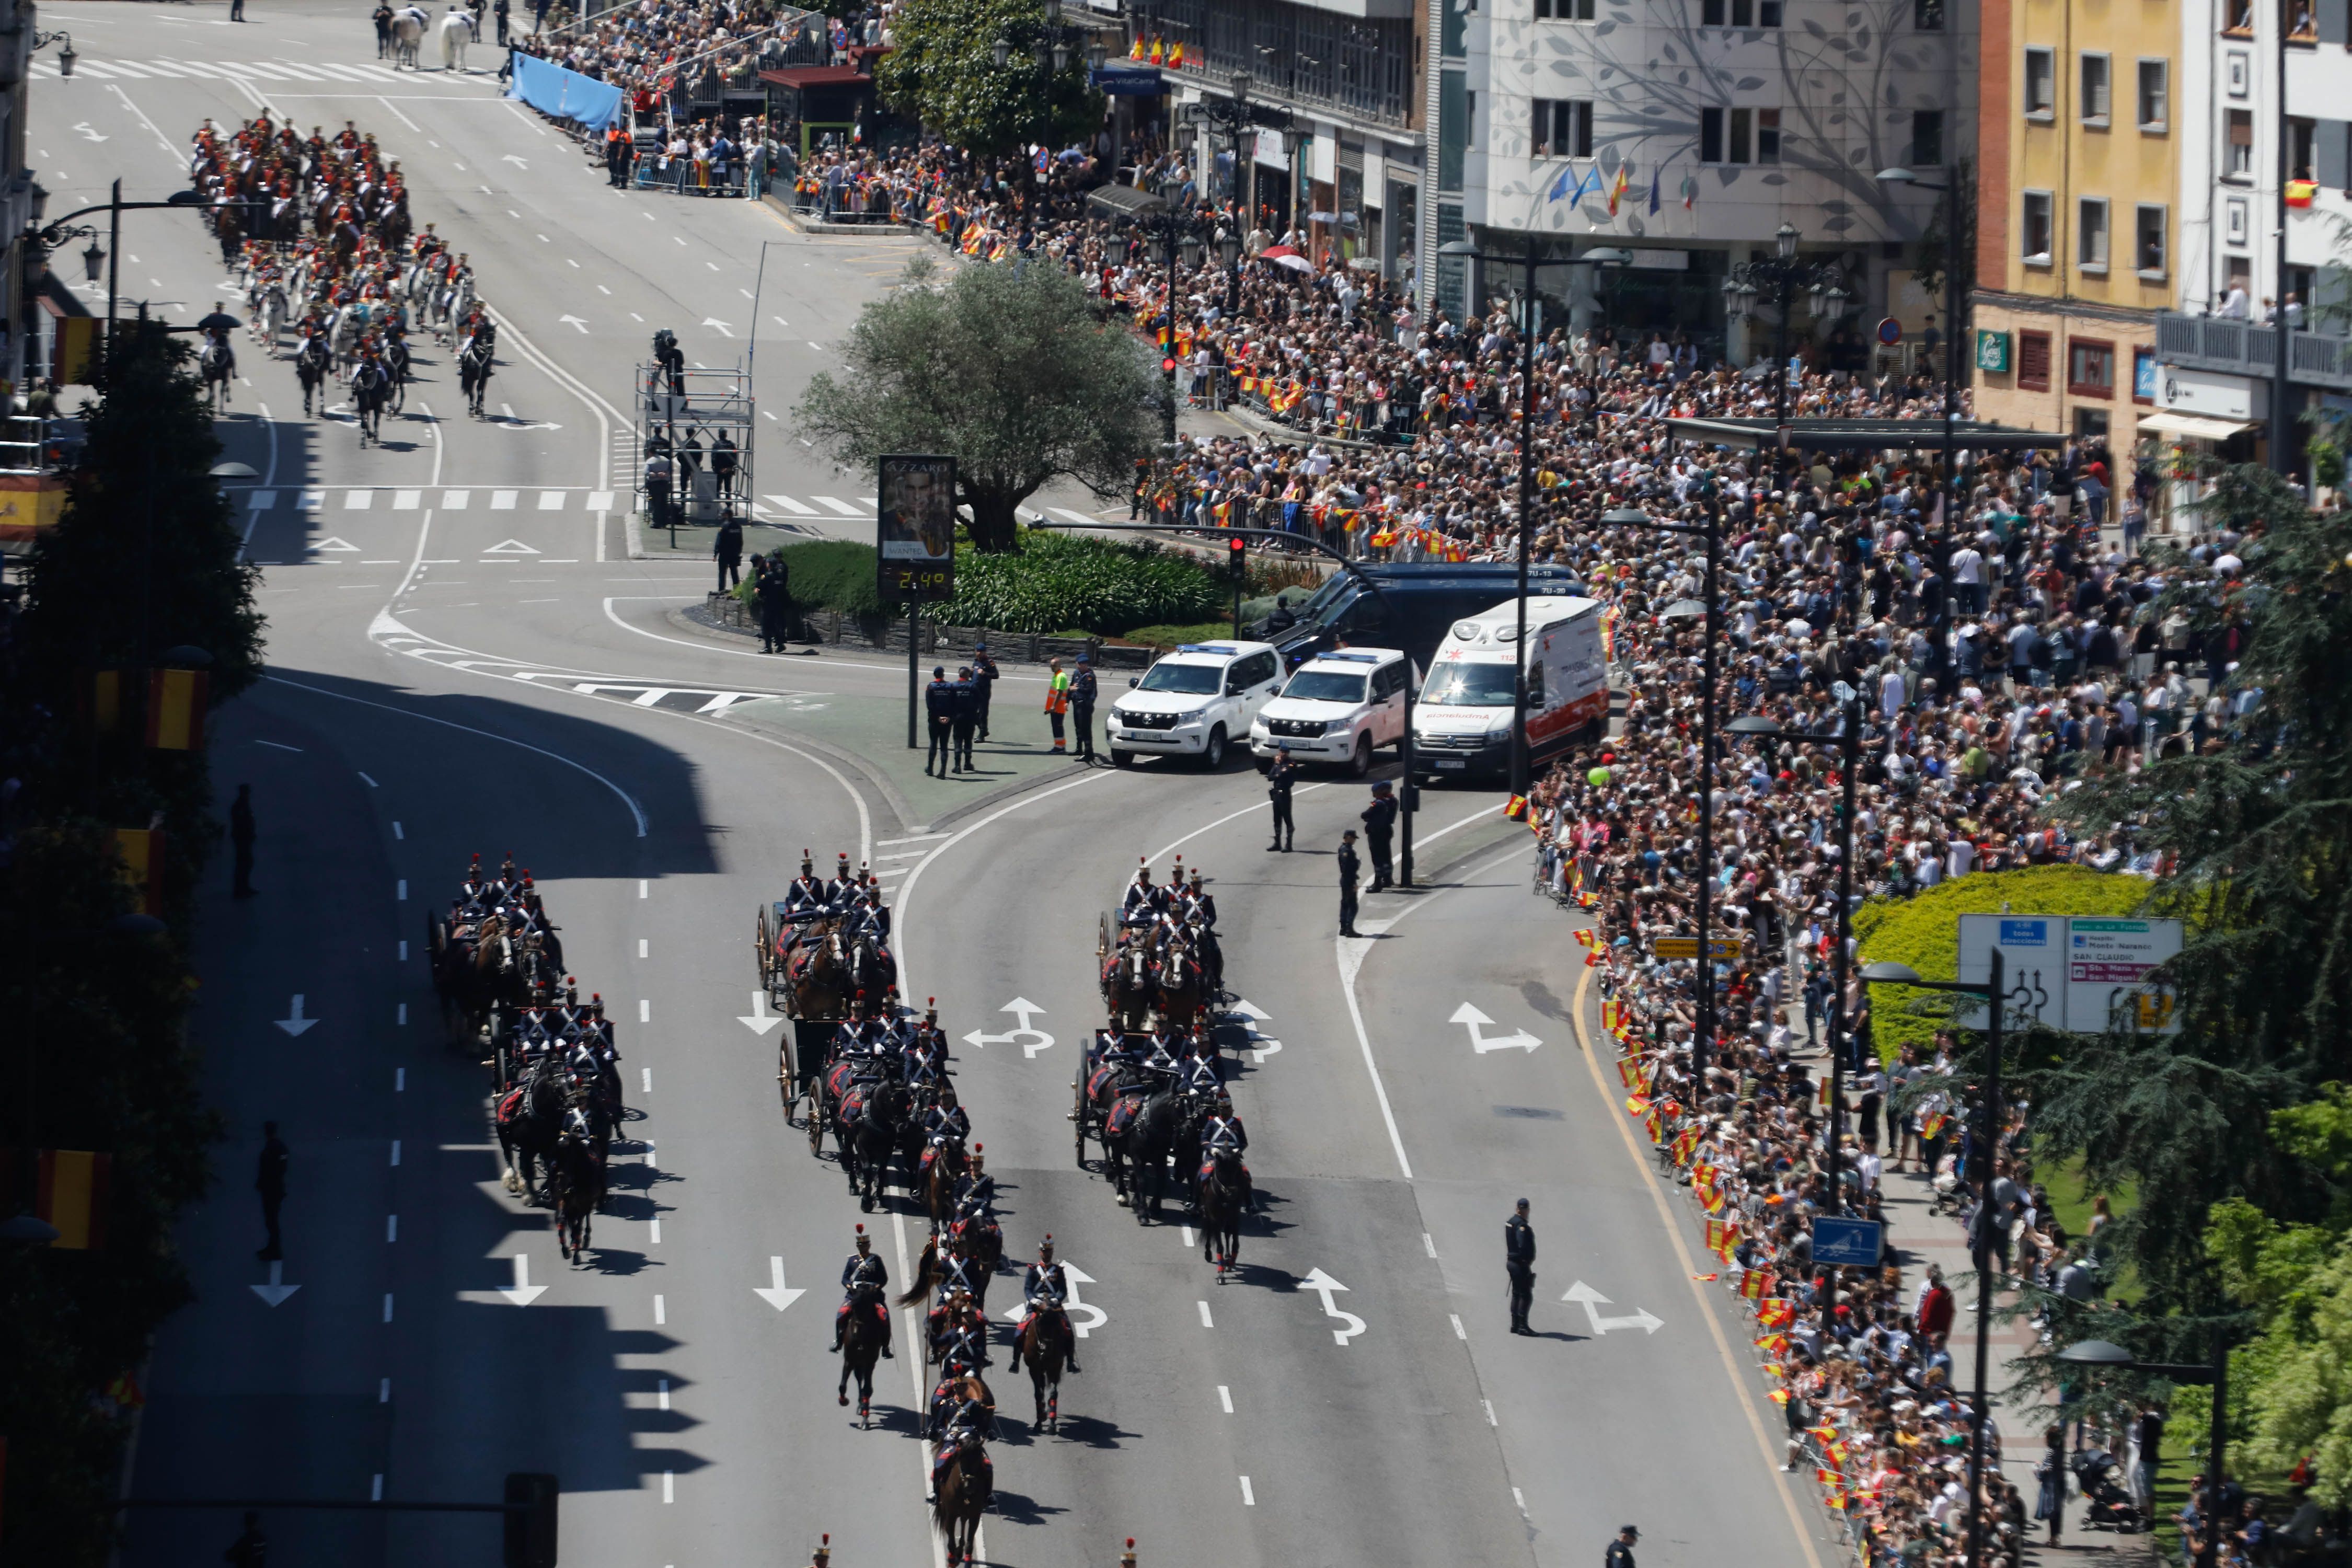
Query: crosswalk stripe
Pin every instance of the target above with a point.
(456, 500)
(340, 73)
(550, 500)
(790, 505)
(91, 67)
(132, 72)
(358, 501)
(406, 500)
(600, 500)
(193, 69)
(300, 73)
(376, 73)
(843, 507)
(502, 500)
(160, 68)
(272, 73)
(44, 68)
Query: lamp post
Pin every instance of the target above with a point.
(1051, 50)
(1953, 494)
(1848, 739)
(2100, 1352)
(1782, 276)
(1527, 327)
(1980, 1240)
(114, 206)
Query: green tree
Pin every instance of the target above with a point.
(2261, 830)
(1008, 369)
(942, 70)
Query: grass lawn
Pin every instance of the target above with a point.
(2071, 1206)
(1165, 638)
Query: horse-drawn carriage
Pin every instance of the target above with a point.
(491, 954)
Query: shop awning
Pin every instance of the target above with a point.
(2192, 426)
(1127, 81)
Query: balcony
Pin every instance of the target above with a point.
(2251, 349)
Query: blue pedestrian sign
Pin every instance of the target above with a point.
(1845, 1243)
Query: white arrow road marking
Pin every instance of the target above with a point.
(333, 543)
(1019, 1312)
(295, 1023)
(1251, 1015)
(1323, 1285)
(522, 1292)
(93, 135)
(1032, 1039)
(1595, 1300)
(574, 321)
(276, 1291)
(777, 1295)
(761, 1021)
(518, 163)
(723, 326)
(511, 547)
(1517, 1040)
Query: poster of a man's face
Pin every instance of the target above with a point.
(918, 508)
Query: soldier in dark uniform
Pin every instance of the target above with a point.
(1620, 1550)
(984, 677)
(1045, 1282)
(1519, 1262)
(862, 1272)
(841, 883)
(975, 1190)
(939, 708)
(1082, 692)
(1351, 867)
(966, 719)
(1380, 831)
(1280, 781)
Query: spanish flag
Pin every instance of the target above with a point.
(1618, 189)
(69, 1188)
(176, 710)
(1774, 1312)
(1158, 52)
(1176, 54)
(1772, 1344)
(1718, 1236)
(1628, 1072)
(1780, 1396)
(1516, 808)
(1583, 935)
(1752, 1284)
(1135, 51)
(141, 853)
(102, 704)
(1711, 1199)
(2300, 192)
(1636, 1104)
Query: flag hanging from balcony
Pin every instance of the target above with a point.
(2300, 192)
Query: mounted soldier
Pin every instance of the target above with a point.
(842, 884)
(864, 1278)
(975, 1192)
(1143, 903)
(806, 896)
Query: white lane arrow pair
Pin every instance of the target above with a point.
(1251, 1015)
(777, 1294)
(522, 1293)
(276, 1291)
(1595, 1300)
(1481, 1043)
(518, 163)
(1323, 1285)
(721, 326)
(574, 321)
(1033, 1038)
(294, 1023)
(1081, 1326)
(761, 1020)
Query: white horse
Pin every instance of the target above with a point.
(457, 32)
(407, 38)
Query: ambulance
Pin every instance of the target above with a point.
(1462, 724)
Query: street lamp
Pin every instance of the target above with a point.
(1949, 191)
(1531, 260)
(1980, 1240)
(1783, 277)
(2102, 1354)
(1848, 739)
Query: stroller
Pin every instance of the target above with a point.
(2106, 1502)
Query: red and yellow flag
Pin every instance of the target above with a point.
(1753, 1284)
(141, 853)
(176, 710)
(69, 1191)
(1718, 1236)
(1774, 1312)
(1628, 1072)
(2300, 192)
(1636, 1104)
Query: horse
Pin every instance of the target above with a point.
(311, 362)
(529, 1119)
(370, 389)
(963, 1496)
(473, 375)
(1044, 1342)
(1178, 981)
(1127, 985)
(407, 36)
(1139, 1131)
(343, 337)
(939, 1180)
(217, 365)
(1098, 1092)
(457, 31)
(867, 1132)
(273, 316)
(575, 1189)
(983, 1244)
(861, 1347)
(871, 970)
(396, 369)
(816, 973)
(1222, 1191)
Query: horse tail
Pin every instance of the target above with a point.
(921, 1285)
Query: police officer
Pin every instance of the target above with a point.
(1279, 780)
(984, 677)
(1519, 1263)
(1082, 692)
(966, 717)
(1620, 1550)
(939, 706)
(859, 1272)
(1380, 831)
(658, 473)
(1351, 867)
(727, 548)
(770, 583)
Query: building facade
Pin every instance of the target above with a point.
(1690, 131)
(2083, 236)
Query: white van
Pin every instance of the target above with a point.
(1338, 707)
(1193, 702)
(1461, 724)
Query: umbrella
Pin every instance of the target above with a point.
(219, 322)
(1284, 256)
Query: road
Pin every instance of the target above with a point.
(465, 658)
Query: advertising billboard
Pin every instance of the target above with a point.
(915, 520)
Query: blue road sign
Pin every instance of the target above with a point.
(1845, 1243)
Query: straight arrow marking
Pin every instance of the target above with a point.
(276, 1291)
(761, 1020)
(1080, 1326)
(1516, 1040)
(294, 1023)
(574, 321)
(1323, 1285)
(776, 1294)
(1595, 1300)
(522, 1292)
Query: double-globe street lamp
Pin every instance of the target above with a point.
(1781, 277)
(1053, 50)
(1950, 190)
(1233, 116)
(49, 236)
(1529, 325)
(2114, 1357)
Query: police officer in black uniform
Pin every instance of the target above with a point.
(1082, 692)
(966, 717)
(984, 676)
(1379, 832)
(1351, 867)
(939, 707)
(1519, 1262)
(1620, 1550)
(1280, 779)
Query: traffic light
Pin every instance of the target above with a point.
(1167, 364)
(1237, 557)
(531, 1520)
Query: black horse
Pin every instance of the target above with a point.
(396, 368)
(371, 390)
(1140, 1131)
(1223, 1193)
(575, 1190)
(862, 1338)
(474, 373)
(530, 1119)
(871, 1114)
(310, 364)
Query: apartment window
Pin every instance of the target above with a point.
(2300, 136)
(1469, 120)
(2090, 368)
(2034, 362)
(2041, 84)
(2148, 229)
(2090, 234)
(1563, 128)
(2301, 25)
(1739, 13)
(2238, 17)
(2093, 100)
(2238, 159)
(2155, 95)
(1767, 135)
(1563, 10)
(1927, 16)
(2035, 229)
(1927, 138)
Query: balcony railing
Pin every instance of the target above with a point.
(2248, 348)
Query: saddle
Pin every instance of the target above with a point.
(1122, 1115)
(1101, 1079)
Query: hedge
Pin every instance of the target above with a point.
(828, 574)
(1924, 932)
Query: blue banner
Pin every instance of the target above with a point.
(566, 94)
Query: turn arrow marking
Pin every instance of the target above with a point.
(1033, 1038)
(761, 1020)
(1595, 1300)
(574, 321)
(276, 1291)
(1251, 1015)
(1517, 1040)
(517, 162)
(777, 1295)
(1080, 1326)
(1323, 1285)
(294, 1023)
(714, 321)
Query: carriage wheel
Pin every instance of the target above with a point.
(761, 953)
(1078, 1109)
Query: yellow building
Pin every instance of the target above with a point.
(2077, 226)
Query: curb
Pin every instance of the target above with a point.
(821, 230)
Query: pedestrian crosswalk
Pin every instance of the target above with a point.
(370, 498)
(266, 73)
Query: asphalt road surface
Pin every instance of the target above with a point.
(464, 658)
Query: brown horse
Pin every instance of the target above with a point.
(939, 1180)
(817, 974)
(861, 1346)
(1127, 985)
(576, 1188)
(1179, 982)
(965, 1486)
(1046, 1346)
